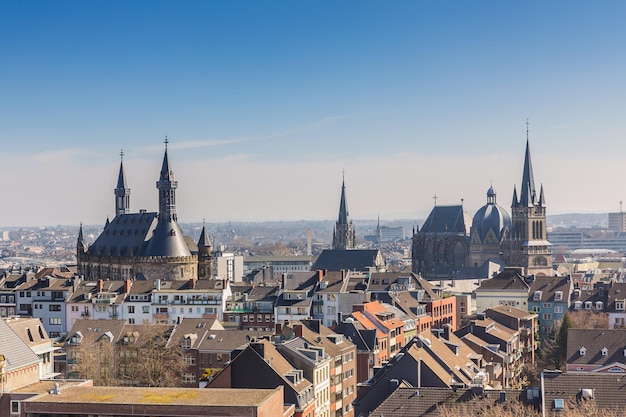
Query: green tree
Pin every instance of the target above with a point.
(561, 340)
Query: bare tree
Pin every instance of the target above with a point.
(96, 361)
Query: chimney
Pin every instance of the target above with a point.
(157, 284)
(127, 285)
(446, 331)
(297, 329)
(192, 283)
(344, 273)
(358, 307)
(320, 274)
(100, 285)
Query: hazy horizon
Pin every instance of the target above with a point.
(267, 104)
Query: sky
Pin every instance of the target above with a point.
(268, 104)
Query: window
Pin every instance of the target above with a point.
(146, 309)
(536, 309)
(55, 321)
(547, 316)
(605, 351)
(15, 407)
(190, 360)
(131, 321)
(54, 307)
(131, 309)
(188, 378)
(74, 308)
(558, 309)
(547, 305)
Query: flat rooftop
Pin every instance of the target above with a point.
(215, 397)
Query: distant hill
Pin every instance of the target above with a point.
(580, 220)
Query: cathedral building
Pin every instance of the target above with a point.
(145, 243)
(344, 236)
(449, 244)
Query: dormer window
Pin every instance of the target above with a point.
(558, 295)
(599, 305)
(604, 351)
(578, 305)
(537, 296)
(619, 305)
(588, 305)
(582, 351)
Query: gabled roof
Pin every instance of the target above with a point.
(594, 341)
(16, 352)
(447, 219)
(608, 390)
(92, 330)
(364, 339)
(505, 280)
(548, 287)
(425, 401)
(350, 259)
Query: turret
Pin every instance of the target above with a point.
(167, 190)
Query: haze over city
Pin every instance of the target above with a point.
(265, 105)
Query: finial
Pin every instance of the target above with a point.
(203, 219)
(122, 154)
(166, 141)
(462, 200)
(435, 198)
(620, 207)
(527, 123)
(343, 175)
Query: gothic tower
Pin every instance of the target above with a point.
(527, 245)
(344, 236)
(122, 192)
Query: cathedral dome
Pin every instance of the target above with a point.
(490, 217)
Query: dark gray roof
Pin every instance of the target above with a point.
(491, 216)
(350, 259)
(409, 401)
(167, 240)
(528, 194)
(548, 286)
(594, 340)
(125, 235)
(505, 280)
(608, 390)
(446, 219)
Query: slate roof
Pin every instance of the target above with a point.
(15, 350)
(410, 402)
(350, 259)
(125, 235)
(617, 291)
(609, 390)
(505, 280)
(447, 219)
(548, 287)
(364, 339)
(594, 340)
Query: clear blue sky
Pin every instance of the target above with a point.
(266, 102)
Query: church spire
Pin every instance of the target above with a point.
(122, 192)
(204, 240)
(528, 194)
(343, 206)
(167, 190)
(344, 236)
(80, 243)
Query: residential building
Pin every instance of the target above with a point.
(549, 298)
(279, 264)
(32, 332)
(596, 350)
(508, 287)
(295, 298)
(261, 366)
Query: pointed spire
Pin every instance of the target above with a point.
(167, 190)
(80, 243)
(528, 194)
(343, 206)
(107, 222)
(122, 192)
(542, 199)
(166, 173)
(515, 201)
(204, 240)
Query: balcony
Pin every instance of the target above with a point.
(160, 316)
(103, 300)
(526, 331)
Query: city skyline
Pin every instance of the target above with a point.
(266, 105)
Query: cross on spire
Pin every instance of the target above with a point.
(166, 141)
(121, 153)
(435, 198)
